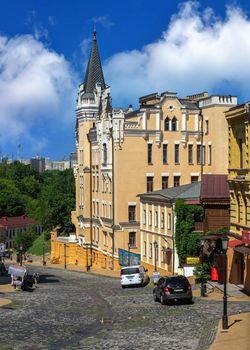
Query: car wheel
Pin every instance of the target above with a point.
(123, 287)
(163, 302)
(155, 297)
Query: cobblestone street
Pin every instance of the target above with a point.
(71, 310)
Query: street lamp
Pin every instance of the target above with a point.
(224, 242)
(44, 262)
(21, 254)
(129, 246)
(202, 242)
(155, 247)
(65, 263)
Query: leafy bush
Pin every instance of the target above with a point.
(202, 271)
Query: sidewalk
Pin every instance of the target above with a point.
(237, 336)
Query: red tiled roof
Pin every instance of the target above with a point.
(214, 187)
(17, 221)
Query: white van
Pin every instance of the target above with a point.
(133, 275)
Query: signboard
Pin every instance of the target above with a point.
(127, 258)
(2, 249)
(246, 236)
(192, 260)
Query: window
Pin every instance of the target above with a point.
(105, 155)
(169, 221)
(198, 154)
(164, 182)
(164, 255)
(194, 179)
(204, 155)
(162, 220)
(132, 239)
(150, 250)
(174, 124)
(206, 127)
(144, 216)
(97, 183)
(176, 154)
(150, 180)
(165, 153)
(145, 248)
(209, 154)
(241, 153)
(166, 124)
(93, 182)
(131, 213)
(150, 218)
(156, 218)
(97, 209)
(105, 236)
(190, 154)
(97, 234)
(150, 153)
(176, 181)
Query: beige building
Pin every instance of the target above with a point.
(157, 227)
(169, 141)
(238, 119)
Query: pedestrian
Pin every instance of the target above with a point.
(35, 278)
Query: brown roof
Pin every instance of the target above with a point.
(17, 221)
(214, 187)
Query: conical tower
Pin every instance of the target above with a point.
(91, 92)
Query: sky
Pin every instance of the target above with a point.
(145, 47)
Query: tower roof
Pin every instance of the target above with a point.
(94, 73)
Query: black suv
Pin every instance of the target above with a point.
(172, 288)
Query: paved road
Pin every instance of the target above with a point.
(71, 310)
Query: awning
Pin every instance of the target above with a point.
(212, 237)
(235, 243)
(242, 250)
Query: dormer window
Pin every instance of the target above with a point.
(174, 124)
(166, 124)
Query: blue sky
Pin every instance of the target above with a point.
(185, 47)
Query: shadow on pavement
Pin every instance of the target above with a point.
(48, 278)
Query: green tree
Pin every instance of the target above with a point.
(187, 242)
(11, 200)
(25, 239)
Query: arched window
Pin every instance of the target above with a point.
(174, 124)
(166, 124)
(104, 153)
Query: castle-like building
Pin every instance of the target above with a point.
(122, 153)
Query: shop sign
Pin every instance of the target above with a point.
(192, 260)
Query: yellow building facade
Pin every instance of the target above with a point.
(168, 141)
(238, 119)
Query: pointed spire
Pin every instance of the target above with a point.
(94, 73)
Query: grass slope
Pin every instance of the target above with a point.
(37, 247)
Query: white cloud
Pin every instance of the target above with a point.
(37, 87)
(103, 20)
(198, 51)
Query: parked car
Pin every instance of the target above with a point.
(173, 288)
(134, 275)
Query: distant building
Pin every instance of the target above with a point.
(72, 159)
(38, 164)
(16, 224)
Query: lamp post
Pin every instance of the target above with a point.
(44, 262)
(65, 262)
(155, 247)
(224, 242)
(202, 242)
(129, 246)
(21, 254)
